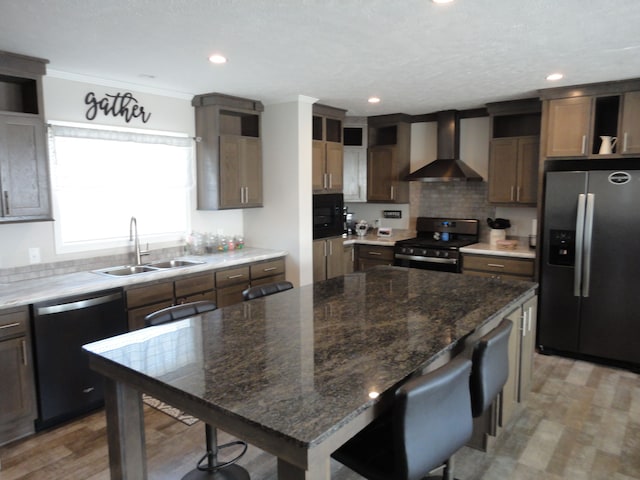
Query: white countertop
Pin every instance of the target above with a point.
(36, 290)
(522, 250)
(373, 239)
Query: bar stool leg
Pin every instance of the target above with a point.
(214, 470)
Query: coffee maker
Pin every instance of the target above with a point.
(349, 222)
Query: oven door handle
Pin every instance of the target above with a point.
(451, 261)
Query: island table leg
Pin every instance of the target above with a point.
(125, 432)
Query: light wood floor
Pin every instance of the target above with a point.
(582, 421)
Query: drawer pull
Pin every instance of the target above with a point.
(497, 265)
(270, 269)
(374, 253)
(23, 345)
(9, 325)
(239, 275)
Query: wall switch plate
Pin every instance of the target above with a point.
(34, 255)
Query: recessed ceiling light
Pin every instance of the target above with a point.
(442, 1)
(373, 100)
(217, 59)
(554, 76)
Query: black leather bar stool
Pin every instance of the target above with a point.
(490, 367)
(433, 410)
(208, 467)
(429, 421)
(267, 289)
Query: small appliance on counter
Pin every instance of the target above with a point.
(498, 227)
(349, 222)
(361, 228)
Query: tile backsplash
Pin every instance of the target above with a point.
(42, 270)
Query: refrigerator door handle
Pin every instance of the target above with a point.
(588, 232)
(577, 270)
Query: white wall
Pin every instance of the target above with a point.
(285, 220)
(64, 100)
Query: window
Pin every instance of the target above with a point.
(101, 178)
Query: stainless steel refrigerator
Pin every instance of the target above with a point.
(590, 269)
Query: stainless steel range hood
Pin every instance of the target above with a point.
(448, 167)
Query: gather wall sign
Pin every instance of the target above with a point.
(123, 105)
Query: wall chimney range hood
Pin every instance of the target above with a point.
(447, 167)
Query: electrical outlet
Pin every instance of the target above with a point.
(34, 255)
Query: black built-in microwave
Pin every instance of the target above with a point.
(328, 215)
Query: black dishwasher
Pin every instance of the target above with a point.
(66, 386)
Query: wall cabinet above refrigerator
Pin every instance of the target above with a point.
(577, 118)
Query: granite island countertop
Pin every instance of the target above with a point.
(26, 292)
(285, 366)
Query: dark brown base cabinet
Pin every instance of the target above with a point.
(368, 256)
(17, 395)
(498, 267)
(328, 258)
(223, 287)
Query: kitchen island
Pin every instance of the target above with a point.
(296, 374)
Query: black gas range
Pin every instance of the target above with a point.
(437, 244)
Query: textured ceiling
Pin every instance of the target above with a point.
(417, 56)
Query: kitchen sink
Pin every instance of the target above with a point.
(174, 264)
(153, 267)
(127, 270)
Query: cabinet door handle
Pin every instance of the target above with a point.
(330, 180)
(511, 194)
(496, 265)
(584, 144)
(6, 202)
(392, 192)
(624, 142)
(23, 345)
(518, 193)
(524, 323)
(9, 325)
(330, 248)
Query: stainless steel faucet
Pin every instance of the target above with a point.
(133, 235)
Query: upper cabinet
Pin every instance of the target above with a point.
(630, 128)
(229, 151)
(575, 120)
(24, 169)
(327, 153)
(514, 152)
(569, 121)
(388, 158)
(355, 159)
